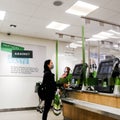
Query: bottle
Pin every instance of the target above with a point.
(117, 86)
(105, 82)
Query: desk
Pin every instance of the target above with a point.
(91, 106)
(110, 113)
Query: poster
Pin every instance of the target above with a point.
(21, 59)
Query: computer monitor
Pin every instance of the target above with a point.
(107, 71)
(106, 67)
(78, 75)
(78, 69)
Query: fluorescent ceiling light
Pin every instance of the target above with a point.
(105, 34)
(81, 8)
(99, 37)
(93, 39)
(57, 26)
(2, 15)
(115, 32)
(74, 45)
(67, 46)
(115, 45)
(116, 37)
(79, 42)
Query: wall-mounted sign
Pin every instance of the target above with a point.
(22, 54)
(9, 47)
(21, 59)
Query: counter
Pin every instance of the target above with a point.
(89, 105)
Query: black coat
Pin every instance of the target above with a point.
(50, 84)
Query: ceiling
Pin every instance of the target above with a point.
(32, 16)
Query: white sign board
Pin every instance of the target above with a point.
(10, 66)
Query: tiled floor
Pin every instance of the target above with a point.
(28, 115)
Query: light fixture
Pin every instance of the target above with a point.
(101, 23)
(97, 36)
(115, 45)
(113, 31)
(60, 35)
(2, 15)
(93, 39)
(81, 8)
(101, 36)
(102, 42)
(72, 37)
(57, 26)
(110, 45)
(87, 21)
(105, 34)
(80, 42)
(74, 45)
(114, 37)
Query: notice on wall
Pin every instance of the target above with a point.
(21, 59)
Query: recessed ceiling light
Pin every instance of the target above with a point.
(57, 26)
(2, 15)
(81, 8)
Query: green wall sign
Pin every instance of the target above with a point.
(9, 47)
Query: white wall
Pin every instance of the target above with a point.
(17, 92)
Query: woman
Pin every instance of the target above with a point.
(66, 72)
(65, 78)
(50, 84)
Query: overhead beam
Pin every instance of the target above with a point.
(100, 21)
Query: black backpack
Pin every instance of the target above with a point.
(42, 91)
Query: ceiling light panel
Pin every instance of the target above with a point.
(93, 39)
(105, 34)
(74, 45)
(57, 26)
(113, 31)
(81, 8)
(2, 15)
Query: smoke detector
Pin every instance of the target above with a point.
(57, 3)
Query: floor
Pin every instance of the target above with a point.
(28, 115)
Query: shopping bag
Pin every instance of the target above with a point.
(57, 104)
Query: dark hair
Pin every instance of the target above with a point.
(68, 69)
(46, 63)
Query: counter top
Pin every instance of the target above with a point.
(93, 107)
(94, 92)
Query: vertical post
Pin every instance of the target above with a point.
(89, 62)
(56, 60)
(98, 53)
(83, 55)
